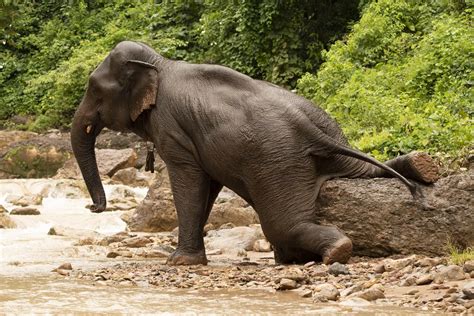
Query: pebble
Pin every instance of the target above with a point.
(393, 265)
(309, 264)
(374, 293)
(380, 268)
(468, 290)
(65, 266)
(468, 266)
(136, 242)
(337, 268)
(305, 293)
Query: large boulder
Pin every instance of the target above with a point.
(382, 218)
(157, 211)
(109, 161)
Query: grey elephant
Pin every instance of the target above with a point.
(216, 127)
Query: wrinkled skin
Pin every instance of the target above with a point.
(213, 126)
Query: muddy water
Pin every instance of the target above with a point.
(28, 254)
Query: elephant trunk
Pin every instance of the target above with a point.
(83, 136)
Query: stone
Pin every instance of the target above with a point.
(157, 251)
(468, 290)
(136, 242)
(449, 273)
(379, 268)
(408, 281)
(294, 273)
(429, 262)
(119, 253)
(287, 284)
(425, 279)
(234, 238)
(262, 245)
(118, 237)
(468, 266)
(25, 211)
(73, 232)
(371, 294)
(351, 290)
(337, 268)
(65, 266)
(384, 219)
(354, 302)
(35, 199)
(328, 291)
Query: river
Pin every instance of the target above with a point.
(28, 254)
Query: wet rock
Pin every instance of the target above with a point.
(354, 302)
(287, 284)
(136, 242)
(133, 177)
(337, 269)
(262, 245)
(326, 290)
(294, 273)
(73, 232)
(468, 266)
(425, 279)
(371, 294)
(468, 290)
(234, 238)
(25, 211)
(449, 273)
(305, 293)
(5, 220)
(119, 253)
(62, 272)
(351, 290)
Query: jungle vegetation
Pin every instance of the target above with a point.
(396, 74)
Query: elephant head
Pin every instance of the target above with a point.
(120, 89)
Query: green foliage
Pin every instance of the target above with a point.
(459, 256)
(402, 79)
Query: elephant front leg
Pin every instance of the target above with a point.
(191, 192)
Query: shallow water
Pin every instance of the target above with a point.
(28, 254)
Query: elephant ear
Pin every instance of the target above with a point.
(143, 87)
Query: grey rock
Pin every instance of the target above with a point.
(468, 266)
(234, 238)
(338, 268)
(364, 208)
(425, 279)
(392, 265)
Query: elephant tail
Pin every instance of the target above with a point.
(325, 146)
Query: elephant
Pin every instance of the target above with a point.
(215, 127)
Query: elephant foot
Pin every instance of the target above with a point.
(423, 167)
(340, 251)
(181, 258)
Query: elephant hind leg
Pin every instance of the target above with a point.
(312, 242)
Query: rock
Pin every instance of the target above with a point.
(425, 279)
(157, 251)
(337, 268)
(73, 232)
(109, 161)
(429, 262)
(25, 211)
(309, 264)
(328, 291)
(136, 242)
(468, 290)
(157, 212)
(468, 266)
(133, 177)
(379, 268)
(62, 272)
(392, 265)
(287, 284)
(227, 226)
(5, 220)
(294, 273)
(351, 290)
(408, 281)
(234, 238)
(119, 253)
(371, 294)
(381, 217)
(449, 273)
(262, 245)
(24, 201)
(354, 302)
